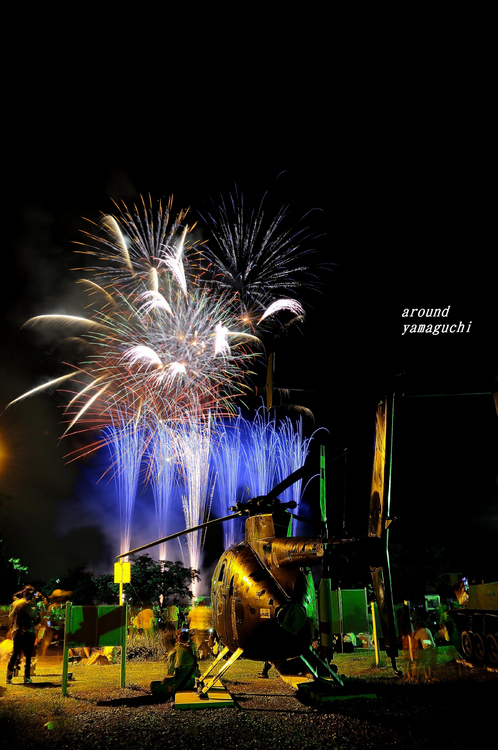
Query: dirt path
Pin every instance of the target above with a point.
(97, 713)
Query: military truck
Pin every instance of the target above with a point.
(477, 624)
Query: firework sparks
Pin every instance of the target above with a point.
(193, 449)
(293, 449)
(273, 450)
(162, 472)
(260, 453)
(135, 246)
(292, 305)
(158, 330)
(256, 257)
(168, 346)
(226, 453)
(175, 347)
(126, 445)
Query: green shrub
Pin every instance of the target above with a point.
(146, 647)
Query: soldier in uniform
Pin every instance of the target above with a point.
(182, 669)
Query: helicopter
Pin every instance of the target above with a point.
(262, 591)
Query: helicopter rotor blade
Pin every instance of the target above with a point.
(278, 489)
(305, 520)
(287, 482)
(181, 533)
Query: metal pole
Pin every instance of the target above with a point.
(324, 587)
(65, 654)
(374, 635)
(339, 610)
(123, 642)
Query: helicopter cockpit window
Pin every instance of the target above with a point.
(222, 573)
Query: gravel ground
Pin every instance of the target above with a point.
(451, 709)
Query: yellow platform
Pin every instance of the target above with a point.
(294, 679)
(218, 697)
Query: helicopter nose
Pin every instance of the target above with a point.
(291, 617)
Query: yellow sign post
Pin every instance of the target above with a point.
(122, 574)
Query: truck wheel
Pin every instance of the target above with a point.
(492, 649)
(466, 642)
(479, 648)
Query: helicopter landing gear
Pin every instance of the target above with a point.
(202, 686)
(321, 670)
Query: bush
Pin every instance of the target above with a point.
(145, 647)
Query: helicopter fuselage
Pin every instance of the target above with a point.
(262, 594)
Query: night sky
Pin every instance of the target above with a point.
(392, 175)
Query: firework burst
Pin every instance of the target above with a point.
(156, 338)
(135, 247)
(168, 344)
(256, 257)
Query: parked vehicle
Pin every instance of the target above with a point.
(477, 624)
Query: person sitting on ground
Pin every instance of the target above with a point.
(442, 635)
(182, 668)
(168, 637)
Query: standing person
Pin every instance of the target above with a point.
(265, 670)
(172, 613)
(158, 617)
(23, 616)
(425, 656)
(423, 636)
(200, 622)
(144, 621)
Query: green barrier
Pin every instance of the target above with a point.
(94, 627)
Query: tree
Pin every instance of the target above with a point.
(150, 580)
(80, 581)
